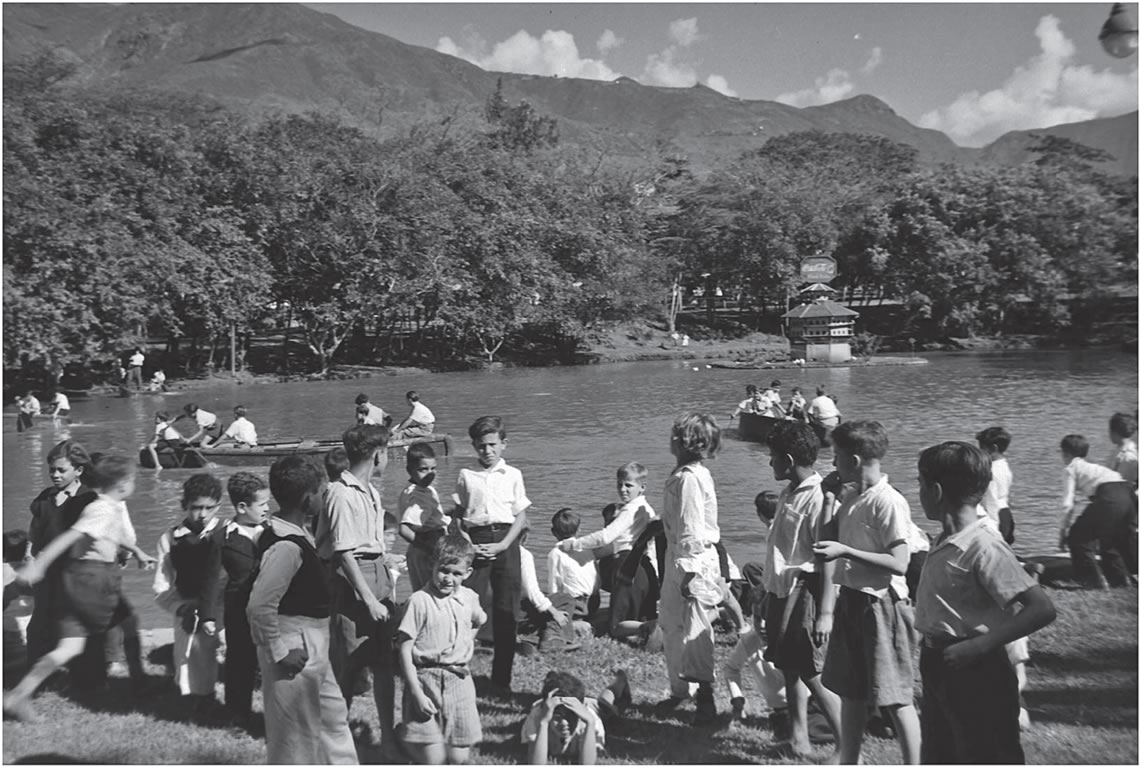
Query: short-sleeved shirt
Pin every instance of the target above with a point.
(108, 523)
(137, 360)
(421, 414)
(376, 415)
(968, 584)
(792, 535)
(489, 496)
(872, 521)
(442, 628)
(243, 431)
(205, 419)
(996, 497)
(823, 408)
(1124, 461)
(421, 507)
(164, 431)
(572, 573)
(61, 402)
(352, 518)
(573, 745)
(1083, 478)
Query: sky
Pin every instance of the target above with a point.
(971, 70)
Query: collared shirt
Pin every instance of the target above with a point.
(243, 431)
(1124, 460)
(137, 360)
(996, 497)
(166, 594)
(572, 573)
(108, 523)
(1083, 477)
(421, 507)
(205, 418)
(279, 565)
(251, 532)
(824, 408)
(968, 584)
(875, 520)
(628, 524)
(529, 577)
(442, 627)
(165, 431)
(689, 516)
(493, 495)
(375, 415)
(421, 414)
(792, 535)
(352, 518)
(68, 492)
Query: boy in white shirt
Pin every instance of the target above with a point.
(419, 423)
(1105, 523)
(995, 504)
(241, 430)
(572, 579)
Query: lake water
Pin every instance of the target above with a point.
(570, 428)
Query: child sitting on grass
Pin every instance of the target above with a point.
(566, 724)
(573, 580)
(538, 612)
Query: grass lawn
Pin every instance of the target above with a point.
(1082, 694)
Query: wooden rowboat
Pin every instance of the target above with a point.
(754, 427)
(185, 457)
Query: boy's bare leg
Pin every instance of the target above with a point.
(909, 732)
(458, 755)
(797, 694)
(852, 723)
(154, 455)
(16, 701)
(830, 704)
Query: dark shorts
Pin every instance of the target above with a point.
(93, 600)
(790, 622)
(870, 656)
(456, 724)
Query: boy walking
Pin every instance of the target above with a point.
(869, 658)
(492, 501)
(306, 720)
(966, 615)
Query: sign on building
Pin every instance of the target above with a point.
(817, 269)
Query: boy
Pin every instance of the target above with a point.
(420, 422)
(797, 405)
(1122, 433)
(17, 604)
(29, 409)
(306, 720)
(422, 521)
(209, 428)
(965, 614)
(372, 414)
(249, 496)
(536, 608)
(59, 408)
(995, 503)
(572, 580)
(186, 584)
(869, 658)
(801, 595)
(93, 599)
(165, 436)
(566, 724)
(350, 537)
(1104, 524)
(437, 639)
(241, 430)
(492, 502)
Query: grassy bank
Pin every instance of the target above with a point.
(1082, 695)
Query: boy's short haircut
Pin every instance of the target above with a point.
(964, 471)
(244, 486)
(797, 440)
(775, 384)
(866, 439)
(75, 454)
(201, 485)
(190, 408)
(239, 411)
(453, 549)
(361, 441)
(766, 503)
(1123, 424)
(362, 399)
(565, 683)
(564, 523)
(336, 462)
(411, 395)
(796, 390)
(486, 425)
(162, 415)
(633, 471)
(994, 437)
(15, 545)
(1075, 445)
(417, 451)
(751, 389)
(109, 471)
(698, 435)
(292, 477)
(820, 391)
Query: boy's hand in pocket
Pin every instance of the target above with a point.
(293, 663)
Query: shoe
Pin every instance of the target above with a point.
(738, 709)
(19, 709)
(778, 722)
(666, 706)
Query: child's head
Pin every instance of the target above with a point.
(67, 461)
(366, 441)
(564, 524)
(1074, 447)
(421, 464)
(820, 391)
(452, 560)
(775, 384)
(15, 545)
(361, 413)
(411, 396)
(190, 409)
(239, 411)
(993, 439)
(609, 512)
(113, 476)
(297, 485)
(161, 417)
(796, 391)
(488, 438)
(362, 399)
(201, 497)
(1122, 426)
(631, 479)
(791, 444)
(695, 436)
(751, 390)
(858, 444)
(336, 461)
(766, 503)
(952, 475)
(250, 496)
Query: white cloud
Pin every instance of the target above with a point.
(555, 53)
(608, 41)
(833, 86)
(720, 84)
(1046, 90)
(684, 32)
(873, 61)
(664, 69)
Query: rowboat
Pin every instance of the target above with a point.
(186, 457)
(754, 427)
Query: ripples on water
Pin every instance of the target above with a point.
(570, 428)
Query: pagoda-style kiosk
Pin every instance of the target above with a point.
(820, 329)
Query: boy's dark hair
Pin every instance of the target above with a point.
(766, 503)
(485, 425)
(361, 441)
(797, 440)
(162, 415)
(609, 512)
(820, 390)
(866, 439)
(189, 408)
(361, 399)
(417, 451)
(336, 462)
(15, 545)
(239, 411)
(564, 523)
(292, 477)
(411, 395)
(775, 384)
(1075, 445)
(109, 471)
(994, 437)
(963, 471)
(565, 683)
(243, 487)
(75, 454)
(453, 549)
(751, 389)
(202, 484)
(1123, 424)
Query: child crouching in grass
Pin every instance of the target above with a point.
(566, 724)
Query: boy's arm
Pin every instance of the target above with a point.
(1037, 611)
(894, 560)
(1068, 502)
(408, 669)
(165, 593)
(825, 618)
(351, 571)
(212, 590)
(34, 571)
(493, 549)
(407, 532)
(279, 565)
(603, 538)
